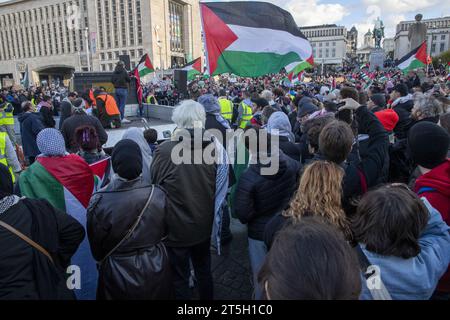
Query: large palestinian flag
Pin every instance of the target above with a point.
(193, 68)
(67, 183)
(415, 59)
(251, 39)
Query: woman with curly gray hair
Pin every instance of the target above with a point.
(426, 108)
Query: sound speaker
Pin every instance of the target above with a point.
(180, 81)
(126, 59)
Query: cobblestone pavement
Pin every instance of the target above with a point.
(231, 270)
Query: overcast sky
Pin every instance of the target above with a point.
(360, 13)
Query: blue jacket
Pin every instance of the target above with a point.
(415, 278)
(30, 125)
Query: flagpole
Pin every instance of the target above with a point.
(205, 47)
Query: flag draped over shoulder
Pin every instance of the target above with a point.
(68, 184)
(251, 39)
(143, 68)
(414, 60)
(193, 68)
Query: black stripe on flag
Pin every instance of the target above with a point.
(255, 14)
(409, 55)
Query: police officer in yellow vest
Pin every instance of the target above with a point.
(226, 106)
(8, 155)
(245, 111)
(7, 120)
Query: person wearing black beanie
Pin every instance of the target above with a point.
(127, 159)
(428, 144)
(6, 184)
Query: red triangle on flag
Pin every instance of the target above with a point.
(218, 36)
(198, 65)
(421, 54)
(73, 173)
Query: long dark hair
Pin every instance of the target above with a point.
(389, 221)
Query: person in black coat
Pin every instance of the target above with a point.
(25, 272)
(402, 104)
(79, 119)
(214, 119)
(121, 80)
(30, 125)
(260, 196)
(135, 267)
(66, 108)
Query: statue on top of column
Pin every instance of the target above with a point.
(417, 32)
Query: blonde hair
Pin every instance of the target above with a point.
(320, 194)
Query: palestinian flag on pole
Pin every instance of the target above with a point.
(415, 59)
(251, 39)
(67, 184)
(144, 68)
(193, 68)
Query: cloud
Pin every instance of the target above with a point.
(403, 6)
(312, 12)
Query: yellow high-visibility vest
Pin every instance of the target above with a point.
(226, 109)
(246, 116)
(3, 136)
(6, 118)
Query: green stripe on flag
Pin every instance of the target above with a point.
(251, 64)
(37, 183)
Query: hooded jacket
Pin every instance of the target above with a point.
(66, 111)
(415, 278)
(435, 187)
(30, 125)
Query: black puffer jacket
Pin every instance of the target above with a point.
(260, 197)
(139, 268)
(291, 149)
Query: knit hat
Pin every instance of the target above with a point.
(428, 144)
(127, 159)
(388, 118)
(379, 99)
(306, 109)
(51, 143)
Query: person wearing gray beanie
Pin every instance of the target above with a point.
(377, 102)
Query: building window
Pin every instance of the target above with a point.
(320, 53)
(327, 53)
(320, 44)
(327, 44)
(443, 37)
(333, 53)
(103, 67)
(139, 21)
(433, 48)
(130, 22)
(141, 52)
(176, 27)
(442, 47)
(334, 43)
(434, 37)
(132, 53)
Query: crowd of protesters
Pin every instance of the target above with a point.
(362, 184)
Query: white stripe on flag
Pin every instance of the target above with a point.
(260, 40)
